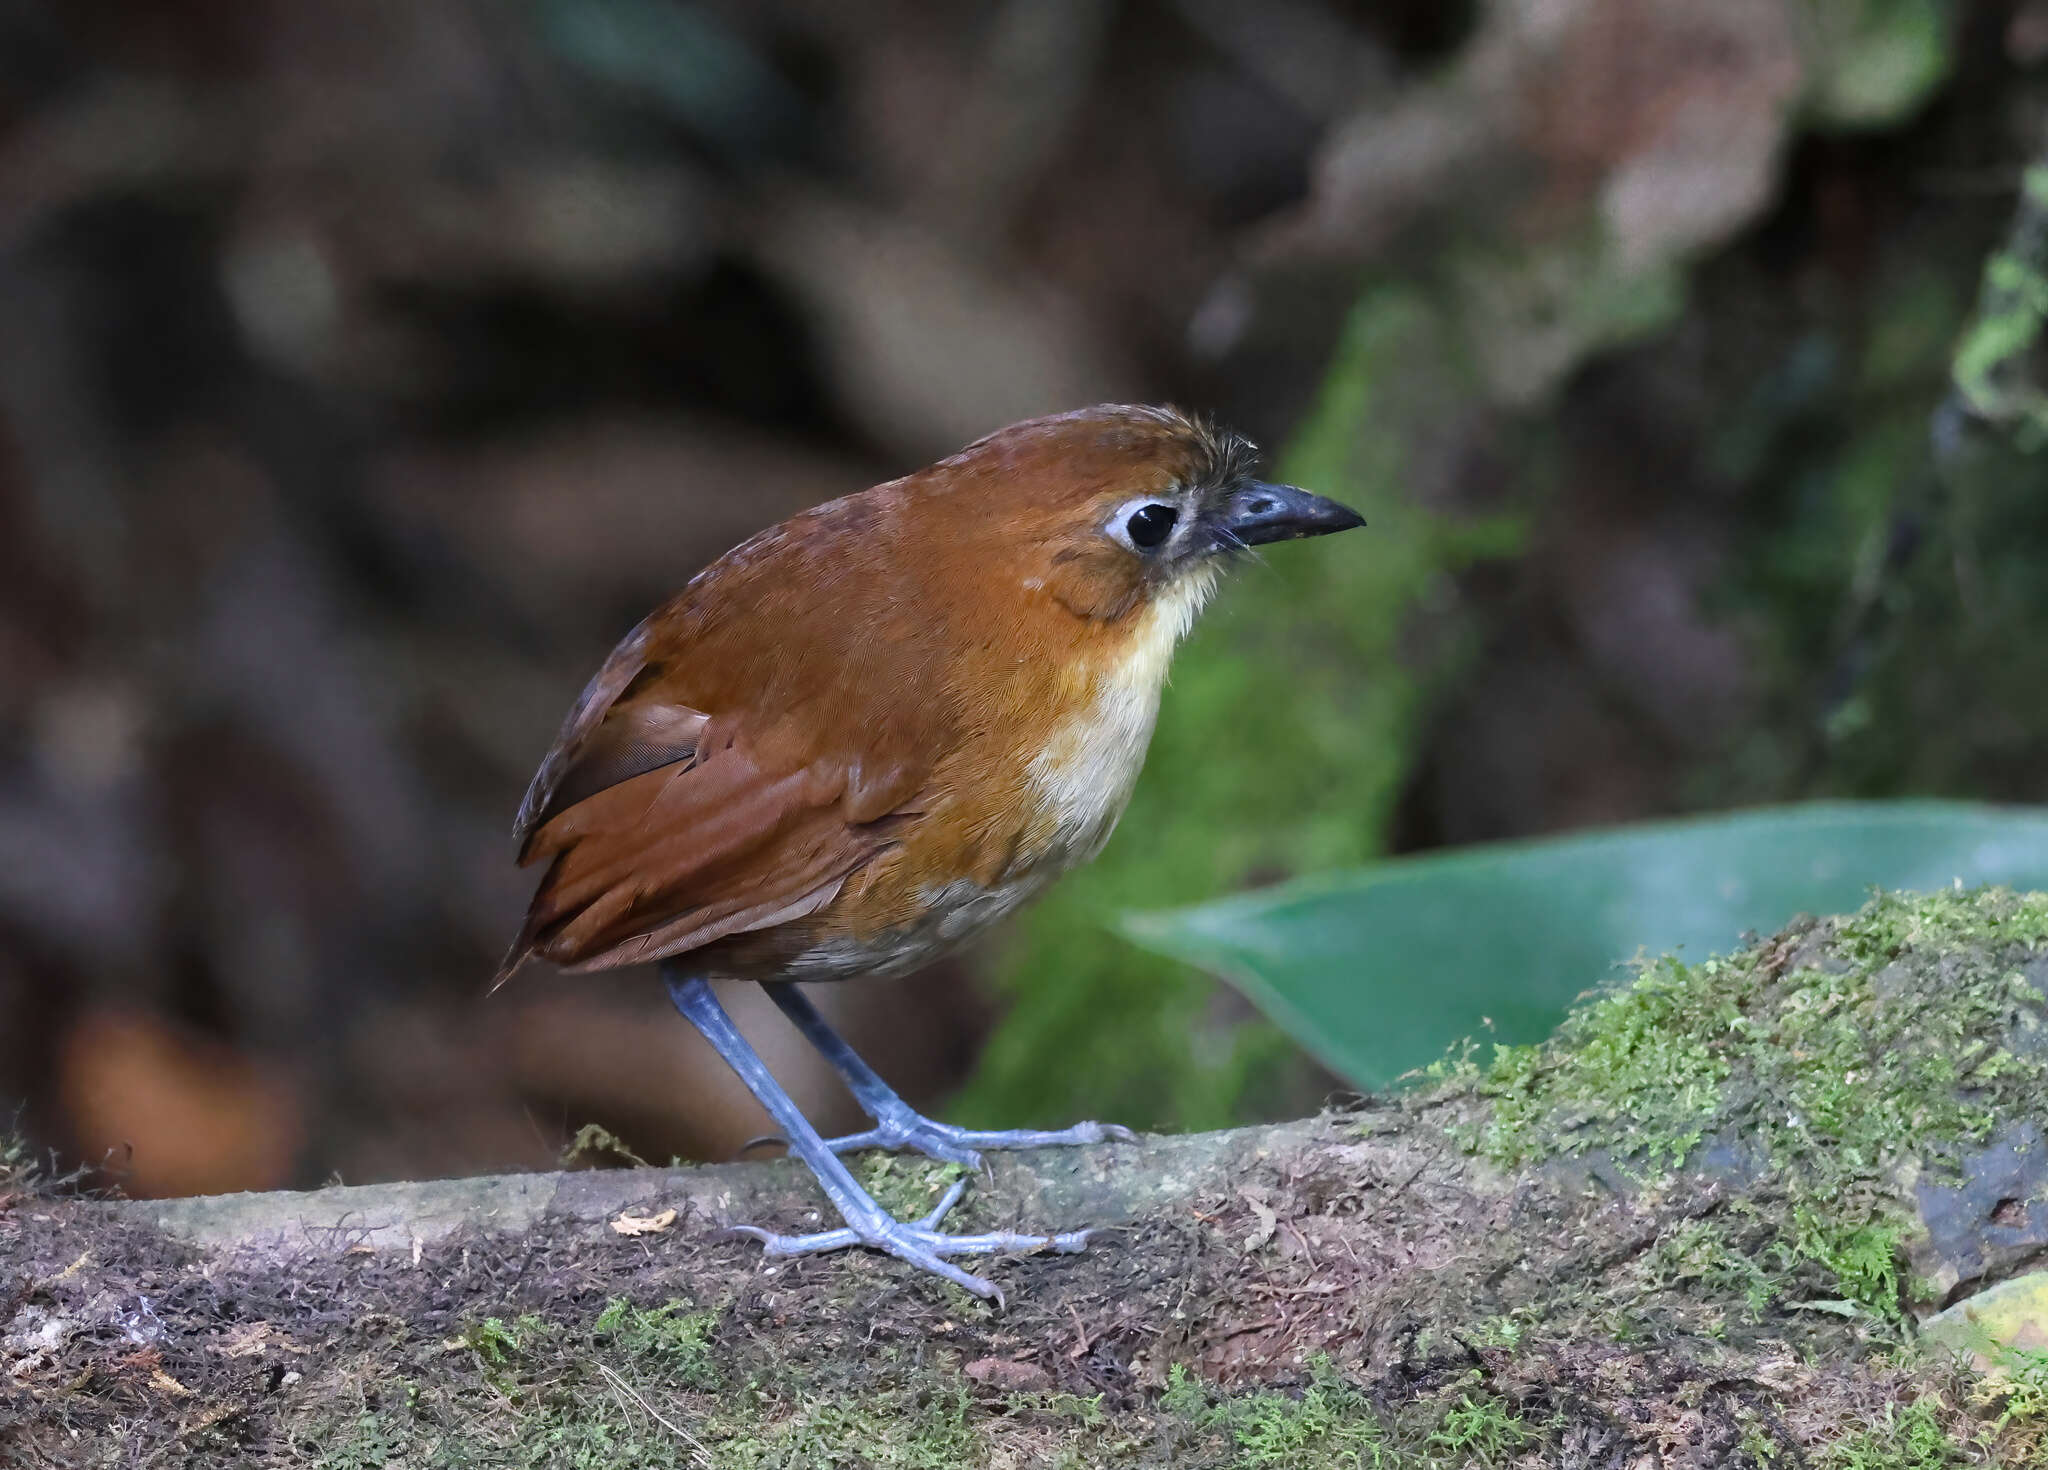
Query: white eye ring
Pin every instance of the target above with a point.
(1145, 525)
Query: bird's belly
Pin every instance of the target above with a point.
(1075, 785)
(1076, 788)
(945, 918)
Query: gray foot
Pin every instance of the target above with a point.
(936, 1140)
(921, 1244)
(897, 1124)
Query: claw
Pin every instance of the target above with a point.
(921, 1244)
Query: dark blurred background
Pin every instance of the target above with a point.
(367, 367)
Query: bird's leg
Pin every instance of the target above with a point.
(897, 1123)
(867, 1223)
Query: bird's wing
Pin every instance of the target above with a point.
(746, 749)
(667, 829)
(603, 742)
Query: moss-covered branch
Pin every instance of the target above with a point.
(1737, 1214)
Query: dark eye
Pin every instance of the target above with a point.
(1150, 525)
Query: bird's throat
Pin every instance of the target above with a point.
(1084, 773)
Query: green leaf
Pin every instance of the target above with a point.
(1380, 970)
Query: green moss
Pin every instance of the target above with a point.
(1905, 1437)
(1505, 1331)
(1868, 1047)
(602, 1396)
(669, 1338)
(640, 1386)
(889, 1431)
(366, 1442)
(2018, 1392)
(1328, 1423)
(1863, 1256)
(1699, 1252)
(904, 1185)
(1649, 1059)
(497, 1343)
(577, 1410)
(1479, 1430)
(601, 1435)
(2027, 1376)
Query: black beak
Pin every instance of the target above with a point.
(1257, 513)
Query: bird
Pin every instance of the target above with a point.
(857, 740)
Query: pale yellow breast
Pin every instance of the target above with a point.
(1083, 775)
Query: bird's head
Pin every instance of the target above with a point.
(1116, 508)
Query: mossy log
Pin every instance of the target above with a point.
(1738, 1213)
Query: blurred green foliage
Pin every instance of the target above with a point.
(1878, 59)
(1510, 934)
(1892, 583)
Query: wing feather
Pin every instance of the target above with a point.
(745, 750)
(626, 663)
(719, 843)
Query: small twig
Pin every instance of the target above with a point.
(619, 1386)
